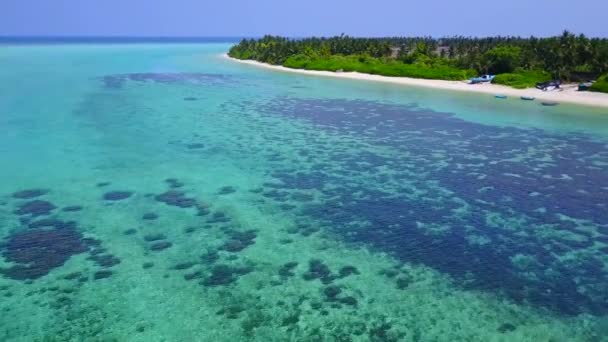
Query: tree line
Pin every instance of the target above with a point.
(567, 57)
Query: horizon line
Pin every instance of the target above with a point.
(232, 37)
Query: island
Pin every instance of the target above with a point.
(519, 64)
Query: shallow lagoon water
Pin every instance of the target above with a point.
(159, 192)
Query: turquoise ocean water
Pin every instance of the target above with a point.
(161, 192)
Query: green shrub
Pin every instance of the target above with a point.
(502, 59)
(377, 66)
(297, 62)
(522, 78)
(601, 85)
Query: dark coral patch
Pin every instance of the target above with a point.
(117, 195)
(49, 222)
(149, 216)
(210, 257)
(92, 242)
(36, 252)
(203, 210)
(231, 311)
(103, 274)
(302, 197)
(390, 273)
(248, 235)
(347, 270)
(176, 198)
(105, 260)
(193, 275)
(61, 302)
(160, 245)
(72, 208)
(35, 208)
(225, 190)
(233, 246)
(218, 217)
(30, 193)
(506, 327)
(318, 270)
(154, 237)
(331, 293)
(72, 276)
(287, 207)
(184, 265)
(195, 146)
(303, 229)
(403, 282)
(280, 196)
(487, 185)
(222, 275)
(130, 231)
(117, 81)
(286, 270)
(239, 241)
(291, 320)
(349, 300)
(96, 251)
(174, 183)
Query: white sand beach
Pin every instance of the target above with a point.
(568, 93)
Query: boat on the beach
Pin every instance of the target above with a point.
(482, 79)
(549, 103)
(500, 96)
(528, 98)
(549, 85)
(585, 86)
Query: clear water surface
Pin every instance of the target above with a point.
(160, 192)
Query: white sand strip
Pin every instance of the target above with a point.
(568, 93)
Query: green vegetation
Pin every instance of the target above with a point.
(378, 66)
(521, 79)
(519, 62)
(501, 59)
(601, 85)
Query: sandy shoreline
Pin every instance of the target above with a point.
(569, 93)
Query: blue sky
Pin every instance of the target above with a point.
(301, 17)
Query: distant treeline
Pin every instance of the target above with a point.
(566, 57)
